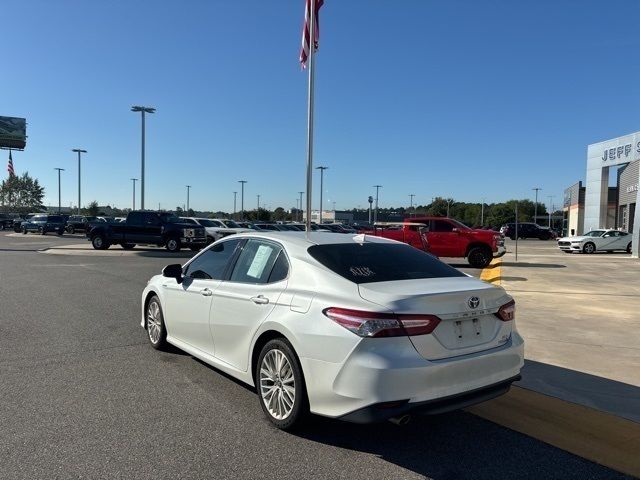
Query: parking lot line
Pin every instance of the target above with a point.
(492, 273)
(597, 436)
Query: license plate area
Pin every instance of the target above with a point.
(467, 330)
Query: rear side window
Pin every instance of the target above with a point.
(380, 262)
(441, 226)
(256, 263)
(135, 218)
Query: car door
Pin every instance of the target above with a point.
(151, 229)
(187, 304)
(243, 302)
(442, 239)
(622, 241)
(608, 241)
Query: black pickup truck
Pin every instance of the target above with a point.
(148, 228)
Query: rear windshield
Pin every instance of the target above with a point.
(380, 262)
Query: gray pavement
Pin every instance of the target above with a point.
(84, 396)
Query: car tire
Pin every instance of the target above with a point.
(275, 388)
(128, 246)
(71, 229)
(154, 324)
(24, 230)
(41, 231)
(99, 242)
(589, 248)
(60, 232)
(479, 257)
(173, 244)
(629, 248)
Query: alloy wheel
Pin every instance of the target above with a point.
(277, 384)
(154, 325)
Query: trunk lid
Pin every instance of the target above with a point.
(463, 329)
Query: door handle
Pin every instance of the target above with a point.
(260, 300)
(206, 292)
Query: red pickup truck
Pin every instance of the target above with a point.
(445, 237)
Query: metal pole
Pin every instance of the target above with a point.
(516, 231)
(258, 206)
(134, 180)
(482, 214)
(59, 196)
(301, 210)
(310, 65)
(242, 182)
(188, 189)
(79, 183)
(550, 197)
(142, 165)
(375, 214)
(235, 195)
(535, 207)
(322, 169)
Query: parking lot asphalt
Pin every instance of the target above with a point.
(85, 396)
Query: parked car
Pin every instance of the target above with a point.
(526, 230)
(357, 328)
(6, 221)
(445, 237)
(17, 222)
(606, 240)
(216, 228)
(43, 224)
(79, 223)
(148, 228)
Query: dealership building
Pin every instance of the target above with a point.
(599, 205)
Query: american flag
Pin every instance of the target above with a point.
(10, 166)
(304, 50)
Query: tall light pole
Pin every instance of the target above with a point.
(134, 180)
(258, 211)
(322, 169)
(550, 197)
(59, 203)
(235, 195)
(301, 209)
(242, 182)
(375, 213)
(535, 206)
(482, 214)
(370, 200)
(411, 195)
(143, 111)
(188, 191)
(79, 151)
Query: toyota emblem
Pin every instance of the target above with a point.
(473, 302)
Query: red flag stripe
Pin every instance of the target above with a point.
(10, 166)
(304, 50)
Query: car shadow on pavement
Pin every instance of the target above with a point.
(163, 254)
(456, 445)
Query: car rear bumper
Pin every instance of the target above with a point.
(385, 411)
(376, 373)
(500, 252)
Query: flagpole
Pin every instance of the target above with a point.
(310, 66)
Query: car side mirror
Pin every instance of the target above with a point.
(173, 271)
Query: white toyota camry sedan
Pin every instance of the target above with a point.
(353, 327)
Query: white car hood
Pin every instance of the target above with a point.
(579, 238)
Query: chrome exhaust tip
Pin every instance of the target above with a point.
(400, 421)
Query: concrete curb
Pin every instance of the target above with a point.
(596, 436)
(493, 273)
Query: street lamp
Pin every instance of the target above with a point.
(375, 213)
(550, 197)
(411, 195)
(134, 180)
(301, 205)
(322, 169)
(79, 151)
(258, 211)
(370, 200)
(235, 195)
(242, 182)
(188, 189)
(535, 206)
(59, 203)
(142, 110)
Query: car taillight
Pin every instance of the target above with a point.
(377, 324)
(507, 311)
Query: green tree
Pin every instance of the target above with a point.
(92, 210)
(21, 194)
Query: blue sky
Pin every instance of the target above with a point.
(469, 99)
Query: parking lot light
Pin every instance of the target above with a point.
(242, 182)
(322, 169)
(375, 214)
(188, 189)
(134, 180)
(79, 151)
(143, 111)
